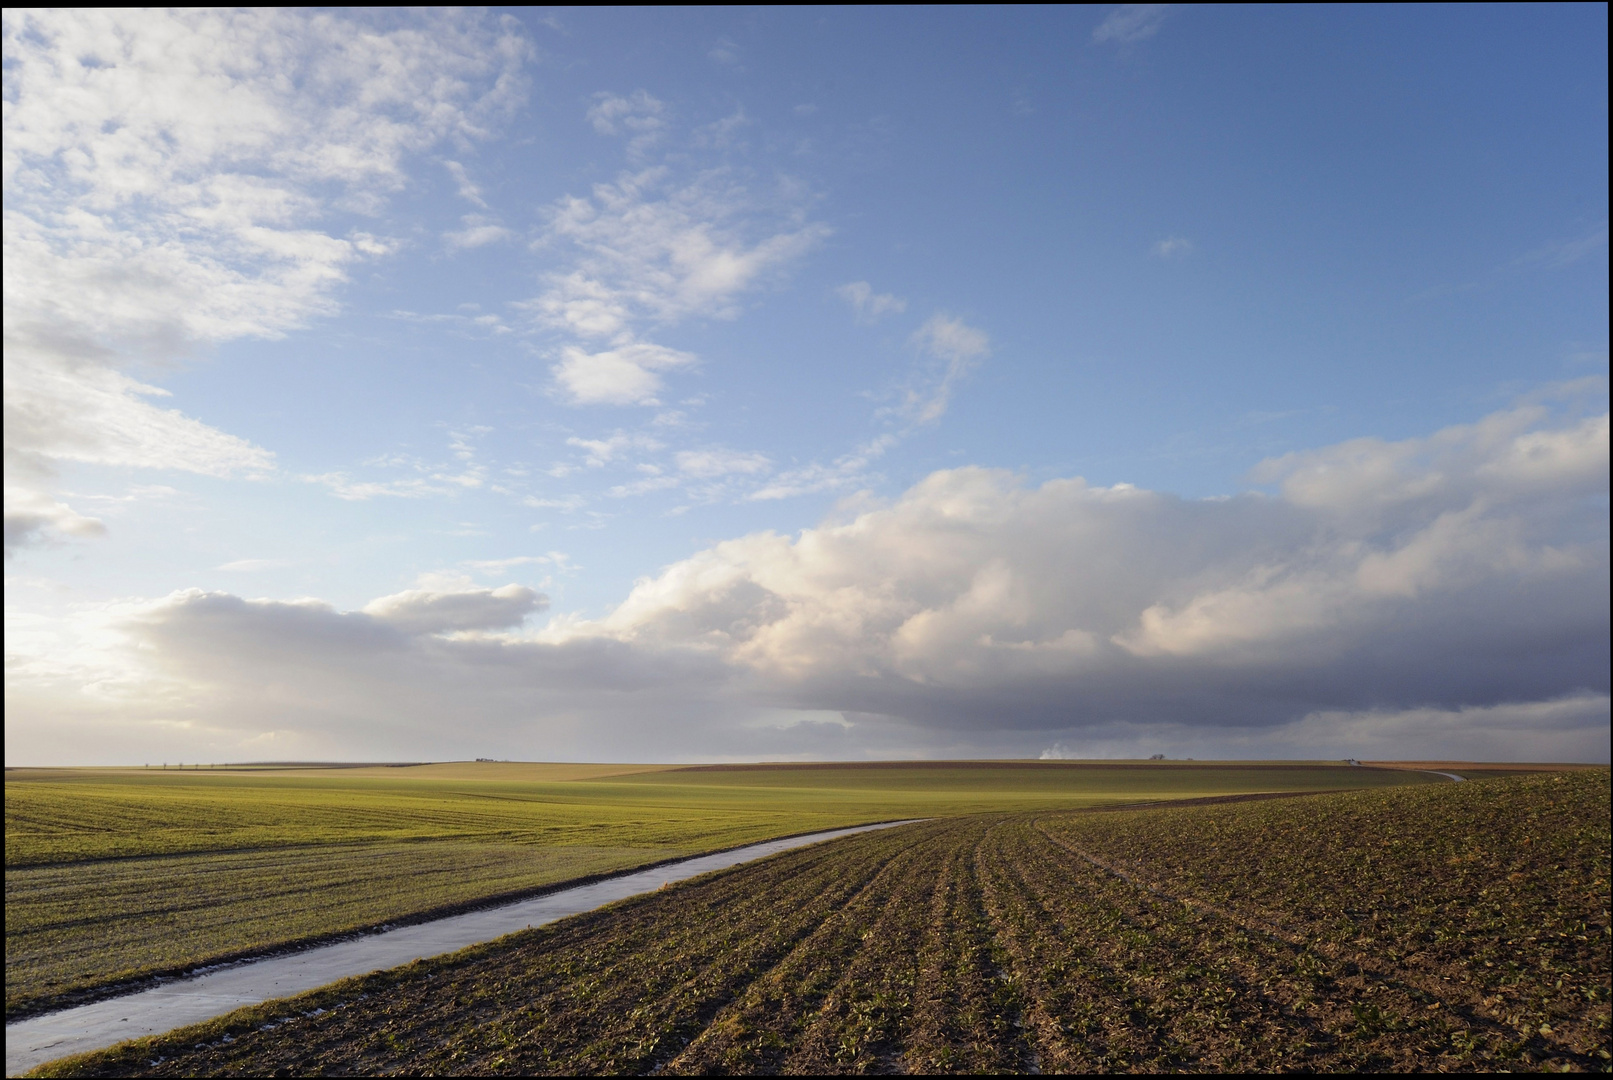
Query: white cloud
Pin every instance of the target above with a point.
(644, 486)
(424, 675)
(166, 178)
(468, 190)
(1173, 247)
(478, 231)
(625, 375)
(426, 610)
(639, 115)
(961, 346)
(467, 321)
(1076, 604)
(643, 252)
(1437, 596)
(924, 400)
(1130, 23)
(427, 483)
(344, 487)
(30, 514)
(845, 471)
(565, 505)
(500, 567)
(717, 461)
(647, 251)
(448, 479)
(603, 451)
(637, 112)
(724, 133)
(869, 305)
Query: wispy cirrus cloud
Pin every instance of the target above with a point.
(1565, 252)
(960, 347)
(868, 305)
(648, 251)
(1130, 23)
(425, 480)
(643, 118)
(478, 230)
(1172, 247)
(948, 349)
(715, 461)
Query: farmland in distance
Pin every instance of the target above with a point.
(114, 875)
(1451, 927)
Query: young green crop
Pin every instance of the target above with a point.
(1206, 938)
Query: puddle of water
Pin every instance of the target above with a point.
(182, 1002)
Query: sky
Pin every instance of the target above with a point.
(671, 385)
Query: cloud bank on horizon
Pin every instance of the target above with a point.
(383, 311)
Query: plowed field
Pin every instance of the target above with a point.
(1458, 927)
(113, 876)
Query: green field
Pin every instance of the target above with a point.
(1459, 927)
(119, 874)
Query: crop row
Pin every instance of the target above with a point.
(1499, 889)
(1006, 943)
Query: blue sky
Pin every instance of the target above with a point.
(679, 384)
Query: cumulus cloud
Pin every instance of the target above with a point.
(168, 176)
(424, 674)
(625, 375)
(1445, 595)
(1464, 570)
(869, 305)
(423, 610)
(1131, 23)
(32, 514)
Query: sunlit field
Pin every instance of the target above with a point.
(1451, 927)
(113, 875)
